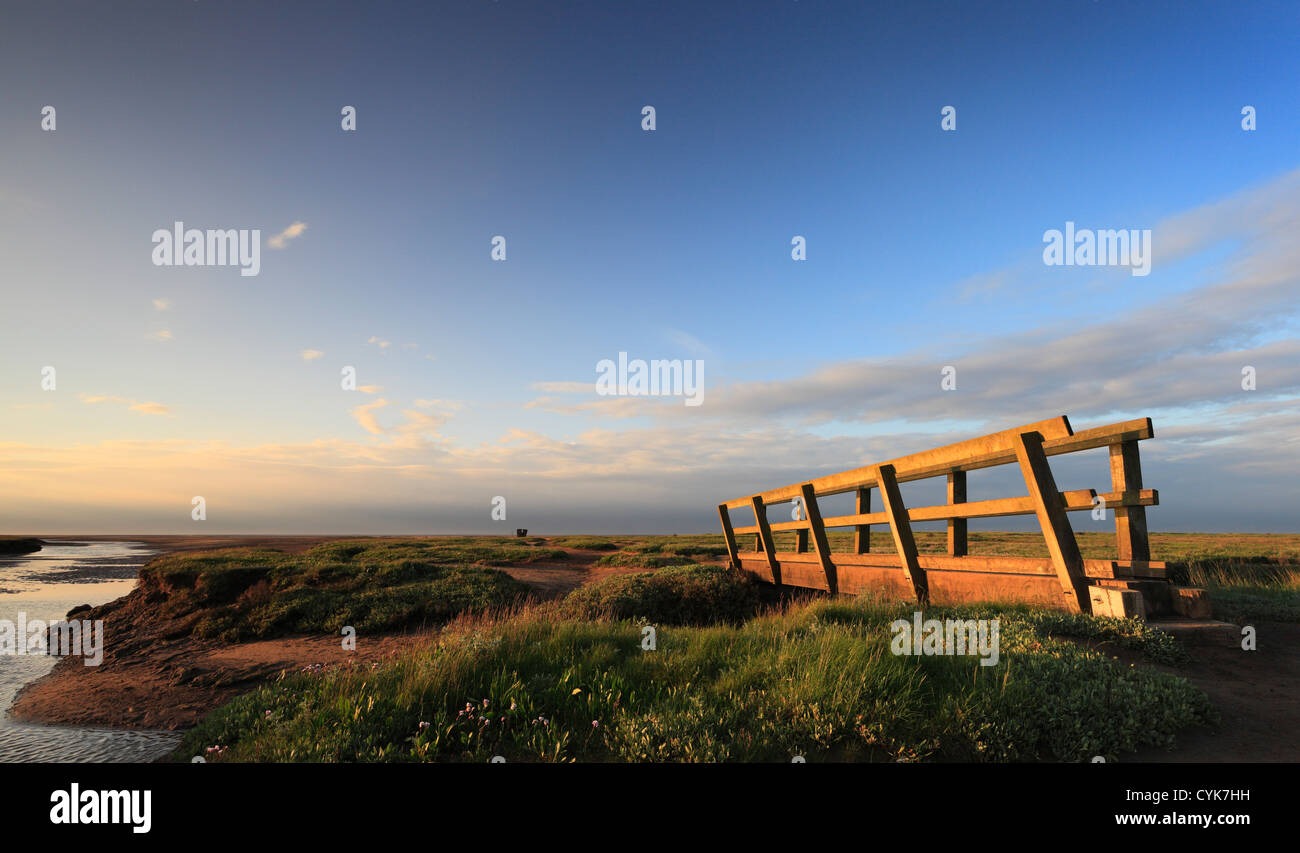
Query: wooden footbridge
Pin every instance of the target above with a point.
(1131, 584)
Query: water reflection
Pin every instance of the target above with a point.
(45, 586)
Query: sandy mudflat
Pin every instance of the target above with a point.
(168, 543)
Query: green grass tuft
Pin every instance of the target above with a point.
(681, 595)
(373, 586)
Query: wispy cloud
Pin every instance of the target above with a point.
(143, 407)
(365, 415)
(161, 335)
(162, 304)
(150, 408)
(565, 387)
(445, 405)
(415, 428)
(281, 240)
(693, 345)
(310, 354)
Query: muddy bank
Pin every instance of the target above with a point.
(177, 682)
(19, 545)
(156, 675)
(170, 543)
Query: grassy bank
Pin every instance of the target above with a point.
(1244, 591)
(371, 585)
(572, 680)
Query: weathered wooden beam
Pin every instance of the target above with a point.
(1141, 568)
(973, 454)
(800, 532)
(945, 587)
(1110, 569)
(1138, 429)
(992, 449)
(1095, 570)
(862, 532)
(1061, 543)
(814, 514)
(765, 537)
(729, 535)
(901, 528)
(956, 526)
(1075, 500)
(1130, 521)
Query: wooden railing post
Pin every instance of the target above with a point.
(862, 533)
(801, 536)
(956, 526)
(729, 534)
(1130, 522)
(765, 538)
(814, 514)
(1061, 543)
(901, 527)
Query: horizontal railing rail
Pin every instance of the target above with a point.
(993, 450)
(1072, 501)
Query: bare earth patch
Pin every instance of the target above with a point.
(1258, 697)
(177, 682)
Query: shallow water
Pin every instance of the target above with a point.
(46, 585)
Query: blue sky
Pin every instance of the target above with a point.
(524, 120)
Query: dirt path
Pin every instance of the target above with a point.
(552, 580)
(1258, 697)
